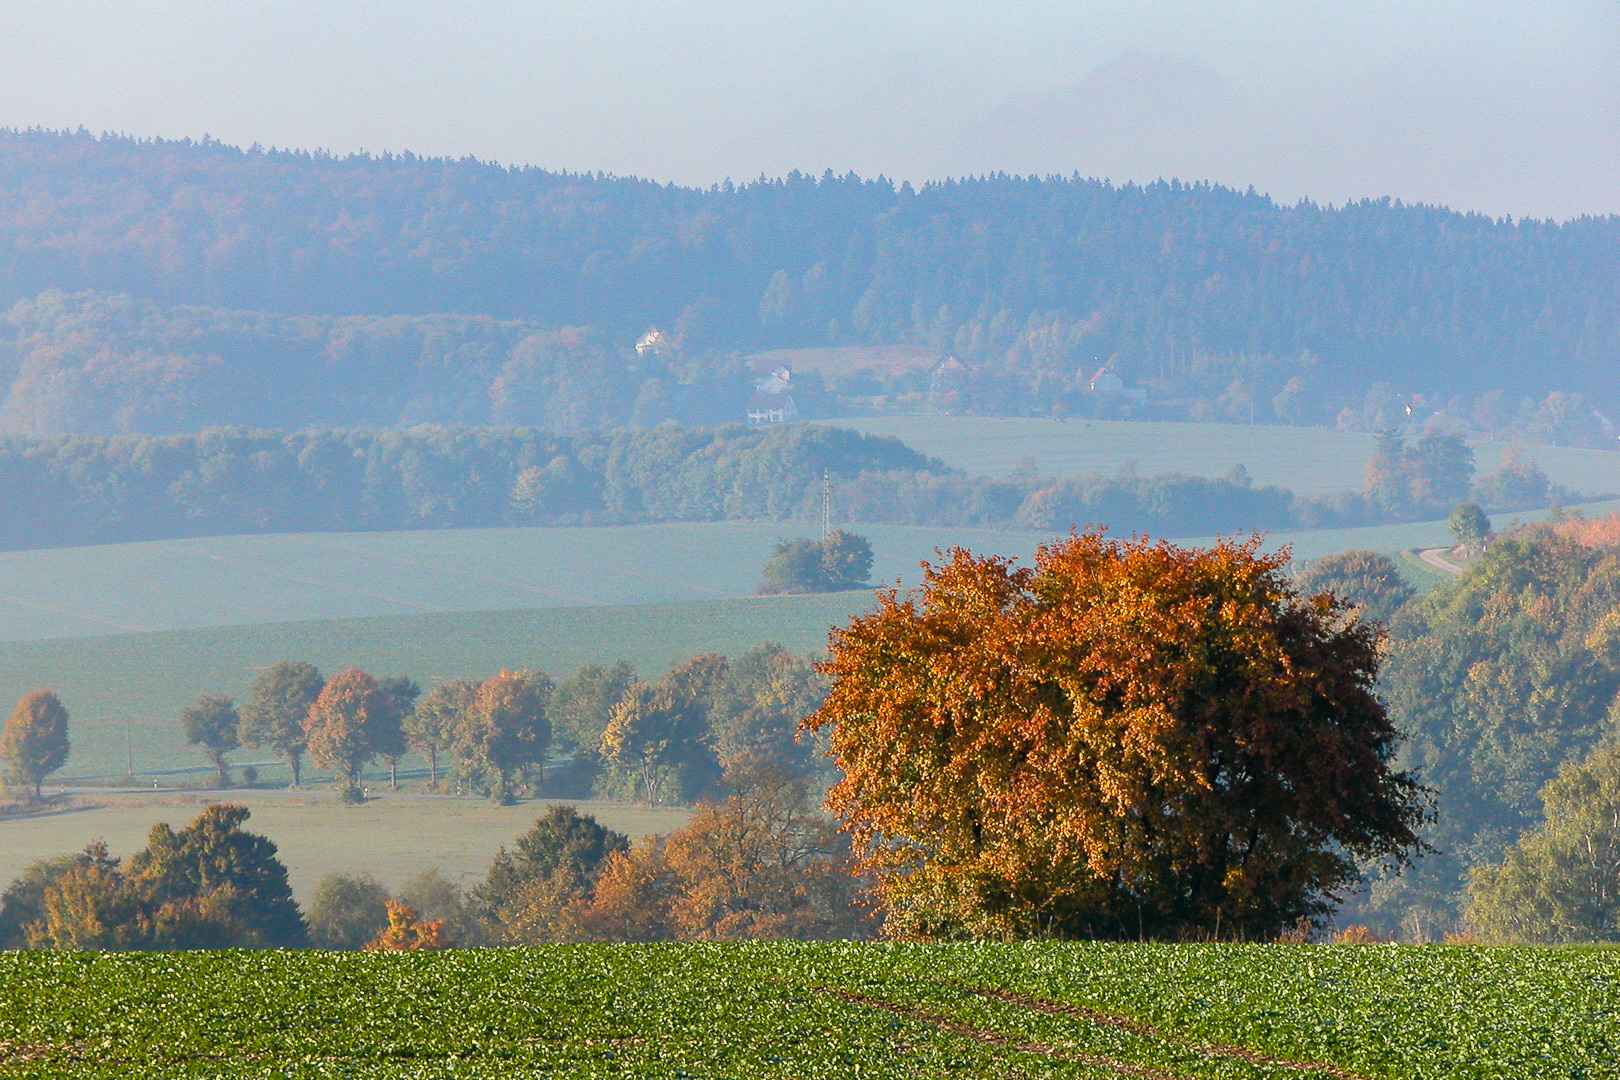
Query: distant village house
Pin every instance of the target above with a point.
(772, 402)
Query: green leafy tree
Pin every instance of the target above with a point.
(839, 561)
(1469, 527)
(1361, 577)
(1497, 677)
(346, 911)
(340, 726)
(660, 732)
(431, 727)
(212, 724)
(551, 866)
(35, 741)
(211, 885)
(580, 710)
(505, 733)
(388, 737)
(1561, 880)
(276, 708)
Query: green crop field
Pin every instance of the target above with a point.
(1307, 460)
(1164, 1012)
(392, 837)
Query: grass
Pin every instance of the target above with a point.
(1307, 460)
(240, 580)
(786, 1010)
(391, 838)
(124, 691)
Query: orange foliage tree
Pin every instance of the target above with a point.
(406, 930)
(1128, 739)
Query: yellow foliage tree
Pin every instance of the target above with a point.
(406, 930)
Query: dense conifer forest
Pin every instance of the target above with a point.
(201, 283)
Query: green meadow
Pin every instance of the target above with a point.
(125, 690)
(1309, 460)
(224, 580)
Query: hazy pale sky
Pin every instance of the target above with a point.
(1504, 106)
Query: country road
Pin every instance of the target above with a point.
(1436, 557)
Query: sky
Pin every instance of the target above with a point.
(1501, 106)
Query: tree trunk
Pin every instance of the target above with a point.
(296, 760)
(433, 768)
(222, 777)
(393, 774)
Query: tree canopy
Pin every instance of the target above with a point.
(276, 708)
(1126, 739)
(210, 885)
(35, 741)
(1561, 880)
(838, 561)
(212, 724)
(1184, 282)
(1366, 578)
(340, 727)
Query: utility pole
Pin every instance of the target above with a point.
(826, 504)
(129, 751)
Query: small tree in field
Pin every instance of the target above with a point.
(505, 732)
(431, 727)
(1469, 527)
(212, 724)
(35, 742)
(340, 726)
(276, 708)
(838, 561)
(1129, 739)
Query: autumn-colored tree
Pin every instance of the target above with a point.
(212, 723)
(631, 899)
(339, 727)
(431, 727)
(35, 741)
(763, 863)
(406, 930)
(276, 708)
(388, 737)
(660, 730)
(1128, 739)
(505, 732)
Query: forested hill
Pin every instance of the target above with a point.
(1025, 273)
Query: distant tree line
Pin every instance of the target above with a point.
(1209, 293)
(99, 489)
